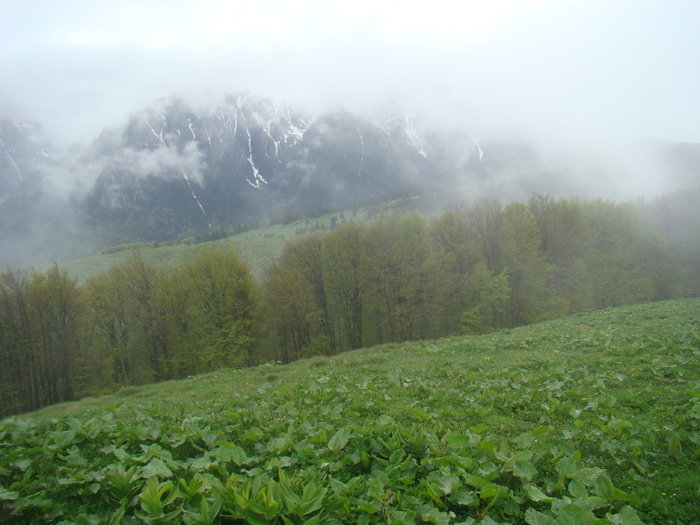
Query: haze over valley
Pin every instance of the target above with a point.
(380, 261)
(147, 122)
(172, 171)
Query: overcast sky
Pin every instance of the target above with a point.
(622, 70)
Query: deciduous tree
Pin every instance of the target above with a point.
(213, 304)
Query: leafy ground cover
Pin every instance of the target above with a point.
(593, 418)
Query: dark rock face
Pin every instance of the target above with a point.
(170, 171)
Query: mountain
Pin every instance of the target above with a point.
(172, 171)
(22, 146)
(39, 202)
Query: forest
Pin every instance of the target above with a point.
(471, 269)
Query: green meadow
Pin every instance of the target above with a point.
(592, 418)
(258, 247)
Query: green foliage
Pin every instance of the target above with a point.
(402, 280)
(122, 485)
(342, 268)
(486, 295)
(474, 269)
(296, 301)
(214, 303)
(41, 352)
(593, 418)
(154, 499)
(129, 322)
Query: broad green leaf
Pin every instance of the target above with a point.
(156, 468)
(618, 495)
(536, 494)
(8, 495)
(486, 520)
(603, 487)
(567, 466)
(384, 423)
(228, 451)
(121, 454)
(489, 491)
(202, 463)
(339, 439)
(487, 445)
(254, 518)
(577, 489)
(524, 470)
(475, 481)
(626, 516)
(464, 496)
(575, 515)
(312, 498)
(588, 475)
(23, 464)
(541, 431)
(448, 483)
(463, 462)
(253, 435)
(479, 429)
(417, 413)
(313, 521)
(457, 440)
(291, 498)
(369, 508)
(436, 517)
(534, 517)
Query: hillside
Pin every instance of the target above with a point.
(588, 419)
(171, 171)
(258, 247)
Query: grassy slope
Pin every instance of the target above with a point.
(257, 247)
(617, 389)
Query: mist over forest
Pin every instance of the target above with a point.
(471, 270)
(380, 261)
(143, 126)
(150, 124)
(171, 171)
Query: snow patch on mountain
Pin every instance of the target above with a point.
(398, 119)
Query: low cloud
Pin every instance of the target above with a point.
(165, 161)
(569, 70)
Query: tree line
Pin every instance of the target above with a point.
(399, 277)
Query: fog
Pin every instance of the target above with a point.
(589, 82)
(566, 70)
